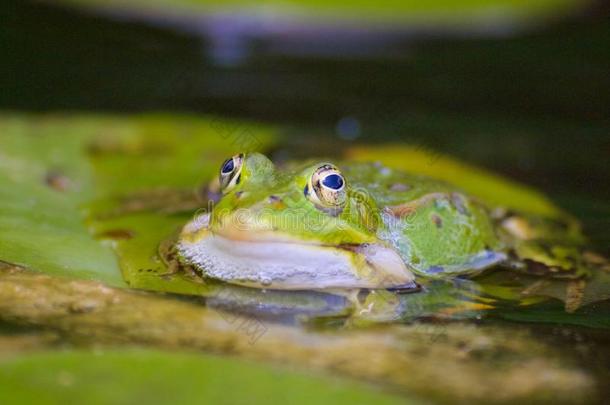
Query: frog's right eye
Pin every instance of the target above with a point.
(326, 188)
(230, 172)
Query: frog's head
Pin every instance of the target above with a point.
(300, 229)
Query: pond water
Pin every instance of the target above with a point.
(90, 171)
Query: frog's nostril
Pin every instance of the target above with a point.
(276, 202)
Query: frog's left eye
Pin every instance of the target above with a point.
(230, 172)
(326, 187)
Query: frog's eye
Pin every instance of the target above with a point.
(326, 187)
(230, 172)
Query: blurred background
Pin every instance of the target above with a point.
(520, 87)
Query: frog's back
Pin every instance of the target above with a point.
(440, 229)
(389, 187)
(437, 228)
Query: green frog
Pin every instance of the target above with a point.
(358, 225)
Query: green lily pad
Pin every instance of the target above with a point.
(392, 11)
(44, 178)
(169, 160)
(76, 192)
(157, 377)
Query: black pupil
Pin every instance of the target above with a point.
(333, 181)
(228, 166)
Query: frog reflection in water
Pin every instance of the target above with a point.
(362, 225)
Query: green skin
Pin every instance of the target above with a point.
(435, 229)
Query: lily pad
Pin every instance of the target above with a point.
(157, 377)
(130, 182)
(388, 11)
(44, 179)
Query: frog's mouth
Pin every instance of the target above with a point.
(288, 264)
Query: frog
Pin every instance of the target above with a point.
(317, 225)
